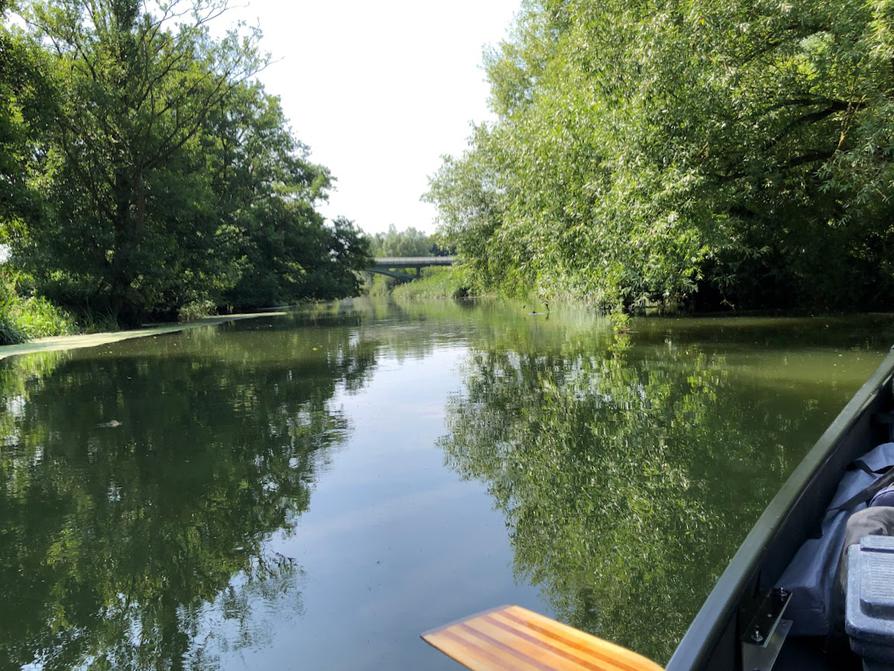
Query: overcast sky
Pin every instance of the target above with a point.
(379, 91)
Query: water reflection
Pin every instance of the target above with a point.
(626, 475)
(139, 488)
(155, 495)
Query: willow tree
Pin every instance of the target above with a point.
(737, 153)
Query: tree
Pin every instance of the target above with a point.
(25, 107)
(717, 152)
(135, 88)
(408, 242)
(267, 192)
(167, 175)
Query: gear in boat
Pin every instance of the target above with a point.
(810, 589)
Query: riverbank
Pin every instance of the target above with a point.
(434, 283)
(68, 342)
(23, 318)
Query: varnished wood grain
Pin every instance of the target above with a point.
(513, 638)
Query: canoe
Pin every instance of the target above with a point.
(714, 639)
(741, 626)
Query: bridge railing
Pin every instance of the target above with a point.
(412, 261)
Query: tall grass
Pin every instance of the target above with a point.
(24, 317)
(434, 283)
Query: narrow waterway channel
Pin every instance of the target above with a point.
(312, 491)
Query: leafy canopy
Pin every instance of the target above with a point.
(720, 152)
(144, 168)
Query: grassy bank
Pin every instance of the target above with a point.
(23, 317)
(434, 283)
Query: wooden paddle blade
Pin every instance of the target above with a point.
(512, 638)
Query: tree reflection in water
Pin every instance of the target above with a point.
(610, 470)
(142, 486)
(137, 490)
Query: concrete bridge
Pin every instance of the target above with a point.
(392, 265)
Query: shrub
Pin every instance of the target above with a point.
(25, 317)
(36, 317)
(195, 310)
(435, 283)
(9, 334)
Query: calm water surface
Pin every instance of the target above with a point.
(311, 492)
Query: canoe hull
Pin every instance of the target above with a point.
(711, 643)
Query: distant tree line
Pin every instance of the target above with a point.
(709, 153)
(143, 167)
(408, 242)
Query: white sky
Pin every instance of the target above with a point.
(379, 91)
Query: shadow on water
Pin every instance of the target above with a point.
(138, 489)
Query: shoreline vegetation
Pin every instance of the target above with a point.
(670, 158)
(696, 156)
(146, 174)
(435, 283)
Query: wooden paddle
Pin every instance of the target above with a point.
(512, 638)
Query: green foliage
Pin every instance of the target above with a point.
(195, 310)
(143, 168)
(409, 242)
(25, 316)
(9, 332)
(36, 317)
(435, 283)
(25, 104)
(716, 152)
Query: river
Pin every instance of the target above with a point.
(313, 491)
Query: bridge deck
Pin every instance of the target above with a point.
(412, 261)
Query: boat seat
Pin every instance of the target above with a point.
(512, 638)
(811, 576)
